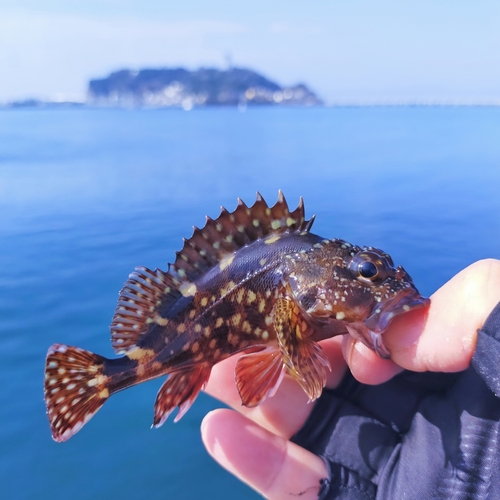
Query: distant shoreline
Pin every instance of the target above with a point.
(32, 104)
(241, 88)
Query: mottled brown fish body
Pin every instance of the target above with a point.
(255, 281)
(230, 307)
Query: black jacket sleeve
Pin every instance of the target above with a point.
(418, 436)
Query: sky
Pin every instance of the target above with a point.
(347, 51)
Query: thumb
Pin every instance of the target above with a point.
(444, 337)
(275, 467)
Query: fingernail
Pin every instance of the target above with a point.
(348, 346)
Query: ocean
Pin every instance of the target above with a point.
(88, 194)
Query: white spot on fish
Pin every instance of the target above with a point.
(226, 262)
(88, 417)
(272, 239)
(77, 426)
(188, 289)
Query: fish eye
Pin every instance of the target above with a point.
(369, 267)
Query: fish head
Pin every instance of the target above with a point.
(361, 289)
(388, 292)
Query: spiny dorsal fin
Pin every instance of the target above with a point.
(146, 291)
(233, 230)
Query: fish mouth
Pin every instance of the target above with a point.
(384, 313)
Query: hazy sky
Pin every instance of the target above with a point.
(346, 50)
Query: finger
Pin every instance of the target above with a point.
(270, 464)
(365, 364)
(442, 338)
(283, 414)
(286, 412)
(445, 338)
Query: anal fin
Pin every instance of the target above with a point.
(258, 375)
(180, 389)
(304, 358)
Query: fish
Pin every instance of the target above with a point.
(255, 281)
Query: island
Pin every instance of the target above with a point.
(182, 88)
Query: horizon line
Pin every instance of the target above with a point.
(37, 102)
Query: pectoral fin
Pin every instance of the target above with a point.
(304, 359)
(258, 375)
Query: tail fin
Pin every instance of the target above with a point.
(75, 388)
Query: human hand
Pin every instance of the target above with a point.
(253, 443)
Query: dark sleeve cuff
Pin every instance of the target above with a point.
(486, 359)
(351, 443)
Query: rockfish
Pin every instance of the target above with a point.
(255, 281)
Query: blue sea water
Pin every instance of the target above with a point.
(87, 195)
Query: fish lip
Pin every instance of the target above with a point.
(384, 313)
(379, 346)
